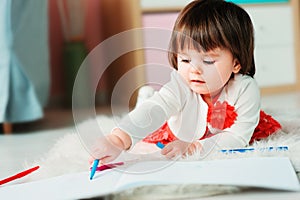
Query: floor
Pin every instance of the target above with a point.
(30, 141)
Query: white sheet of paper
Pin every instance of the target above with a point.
(270, 172)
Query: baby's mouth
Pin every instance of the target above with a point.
(197, 81)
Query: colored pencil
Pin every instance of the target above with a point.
(94, 168)
(19, 175)
(108, 166)
(160, 145)
(251, 149)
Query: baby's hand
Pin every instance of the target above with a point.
(180, 148)
(107, 148)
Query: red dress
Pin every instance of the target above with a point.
(220, 116)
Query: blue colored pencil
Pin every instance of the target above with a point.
(160, 145)
(245, 150)
(94, 168)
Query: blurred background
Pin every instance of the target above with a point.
(43, 43)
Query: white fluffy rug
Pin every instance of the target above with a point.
(68, 151)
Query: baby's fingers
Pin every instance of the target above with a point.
(166, 149)
(173, 155)
(171, 152)
(107, 159)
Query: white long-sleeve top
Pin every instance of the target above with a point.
(186, 113)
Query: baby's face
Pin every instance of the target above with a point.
(206, 72)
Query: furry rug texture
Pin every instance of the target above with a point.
(55, 163)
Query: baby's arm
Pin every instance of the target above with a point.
(144, 119)
(151, 114)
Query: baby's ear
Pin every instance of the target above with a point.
(236, 67)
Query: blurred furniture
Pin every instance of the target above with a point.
(118, 16)
(24, 71)
(7, 128)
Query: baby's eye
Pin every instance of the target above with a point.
(208, 62)
(185, 60)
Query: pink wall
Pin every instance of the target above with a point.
(92, 38)
(156, 58)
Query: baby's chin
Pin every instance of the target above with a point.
(204, 92)
(209, 96)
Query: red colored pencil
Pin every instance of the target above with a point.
(19, 175)
(108, 166)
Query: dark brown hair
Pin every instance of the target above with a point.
(212, 24)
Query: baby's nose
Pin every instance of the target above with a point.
(196, 68)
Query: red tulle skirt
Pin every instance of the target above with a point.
(267, 126)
